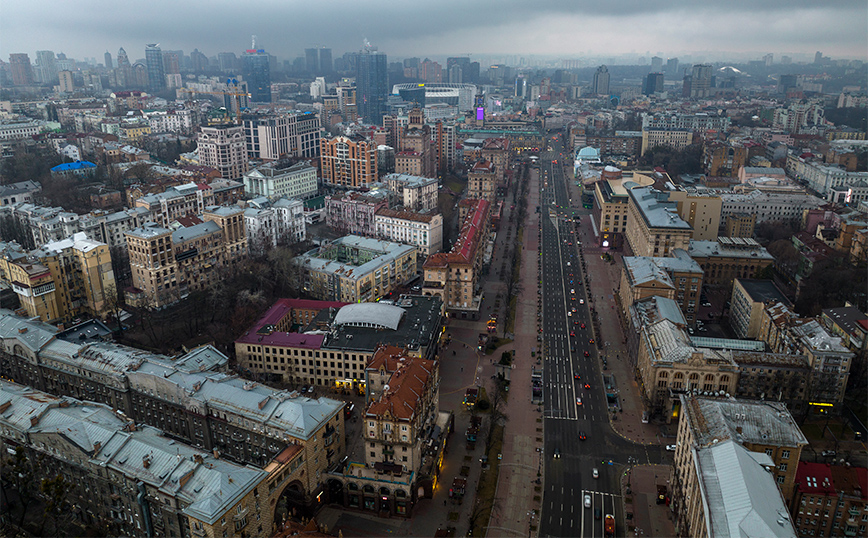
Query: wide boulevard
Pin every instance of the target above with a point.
(578, 437)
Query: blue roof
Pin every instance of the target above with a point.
(77, 165)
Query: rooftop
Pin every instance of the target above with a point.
(717, 249)
(376, 315)
(656, 210)
(746, 421)
(762, 291)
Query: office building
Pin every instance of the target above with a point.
(653, 83)
(107, 61)
(728, 450)
(654, 227)
(415, 193)
(169, 264)
(257, 74)
(700, 81)
(156, 72)
(676, 139)
(372, 85)
(678, 278)
(357, 269)
(224, 148)
(282, 135)
(601, 81)
(281, 179)
(348, 162)
(729, 258)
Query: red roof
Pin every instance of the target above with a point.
(407, 383)
(261, 333)
(815, 478)
(468, 241)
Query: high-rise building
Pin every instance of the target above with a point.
(656, 64)
(47, 66)
(601, 81)
(325, 60)
(276, 136)
(458, 69)
(227, 62)
(672, 67)
(349, 162)
(700, 81)
(171, 63)
(653, 83)
(108, 60)
(311, 61)
(66, 82)
(22, 71)
(254, 63)
(372, 85)
(223, 147)
(154, 63)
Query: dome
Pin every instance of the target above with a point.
(588, 153)
(376, 315)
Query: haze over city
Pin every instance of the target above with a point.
(738, 29)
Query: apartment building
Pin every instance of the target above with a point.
(454, 276)
(224, 148)
(133, 480)
(768, 206)
(275, 136)
(270, 223)
(676, 139)
(496, 151)
(830, 500)
(62, 279)
(482, 181)
(403, 435)
(678, 278)
(416, 193)
(336, 341)
(424, 231)
(734, 449)
(357, 269)
(700, 210)
(279, 178)
(728, 258)
(355, 212)
(699, 122)
(167, 265)
(348, 162)
(749, 298)
(188, 397)
(654, 227)
(23, 191)
(848, 323)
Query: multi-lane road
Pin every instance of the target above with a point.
(578, 437)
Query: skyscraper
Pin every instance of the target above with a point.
(108, 60)
(22, 71)
(653, 83)
(700, 82)
(325, 60)
(154, 63)
(672, 68)
(311, 61)
(656, 64)
(123, 59)
(601, 81)
(372, 85)
(318, 61)
(227, 62)
(254, 66)
(47, 66)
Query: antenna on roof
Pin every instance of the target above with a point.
(253, 42)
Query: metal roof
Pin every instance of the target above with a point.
(379, 315)
(740, 497)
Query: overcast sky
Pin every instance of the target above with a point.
(560, 28)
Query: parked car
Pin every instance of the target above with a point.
(587, 501)
(596, 474)
(670, 448)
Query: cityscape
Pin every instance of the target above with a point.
(284, 289)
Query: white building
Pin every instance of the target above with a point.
(223, 148)
(768, 206)
(276, 136)
(269, 224)
(19, 130)
(423, 231)
(821, 177)
(416, 193)
(171, 121)
(275, 179)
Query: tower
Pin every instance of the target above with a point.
(700, 82)
(601, 81)
(108, 60)
(372, 84)
(254, 65)
(154, 63)
(47, 65)
(22, 71)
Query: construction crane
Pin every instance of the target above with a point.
(233, 91)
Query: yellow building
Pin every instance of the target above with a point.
(63, 279)
(482, 181)
(700, 211)
(654, 227)
(135, 131)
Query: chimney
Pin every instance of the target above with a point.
(146, 461)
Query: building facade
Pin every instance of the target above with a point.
(223, 148)
(348, 162)
(276, 179)
(424, 231)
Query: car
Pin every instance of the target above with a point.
(572, 333)
(581, 301)
(570, 314)
(572, 291)
(587, 385)
(596, 473)
(582, 435)
(591, 341)
(670, 448)
(568, 264)
(587, 501)
(587, 354)
(583, 325)
(598, 514)
(572, 349)
(690, 330)
(702, 329)
(557, 454)
(578, 401)
(576, 376)
(829, 453)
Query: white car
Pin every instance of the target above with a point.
(670, 448)
(581, 301)
(572, 291)
(587, 501)
(596, 473)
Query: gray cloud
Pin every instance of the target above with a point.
(549, 27)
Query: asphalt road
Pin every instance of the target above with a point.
(575, 402)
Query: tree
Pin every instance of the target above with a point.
(55, 491)
(496, 414)
(18, 471)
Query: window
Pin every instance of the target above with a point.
(785, 454)
(782, 467)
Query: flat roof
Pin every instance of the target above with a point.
(656, 209)
(746, 421)
(762, 291)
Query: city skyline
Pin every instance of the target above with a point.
(553, 29)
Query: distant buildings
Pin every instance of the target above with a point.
(601, 81)
(257, 74)
(156, 72)
(372, 85)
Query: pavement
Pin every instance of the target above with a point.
(648, 517)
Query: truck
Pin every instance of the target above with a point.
(609, 525)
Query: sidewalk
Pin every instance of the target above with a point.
(648, 517)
